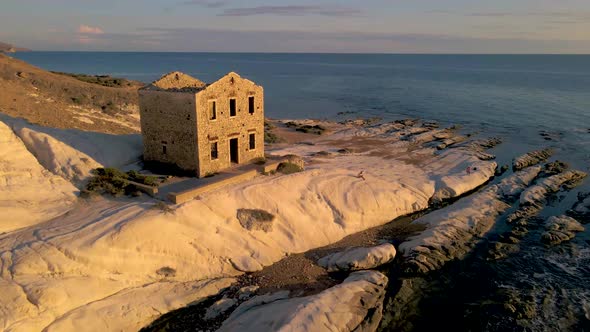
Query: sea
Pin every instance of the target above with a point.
(530, 101)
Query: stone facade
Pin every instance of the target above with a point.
(202, 128)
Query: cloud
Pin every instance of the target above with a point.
(88, 30)
(206, 3)
(293, 10)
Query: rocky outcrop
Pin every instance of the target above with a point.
(452, 231)
(355, 259)
(581, 209)
(560, 229)
(354, 305)
(255, 219)
(537, 194)
(531, 158)
(513, 186)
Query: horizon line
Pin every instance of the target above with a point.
(326, 53)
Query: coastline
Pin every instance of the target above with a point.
(137, 261)
(367, 207)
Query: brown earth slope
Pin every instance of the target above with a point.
(68, 101)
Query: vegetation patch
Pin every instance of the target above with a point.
(114, 182)
(289, 168)
(308, 129)
(269, 136)
(104, 80)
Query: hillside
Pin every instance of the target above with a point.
(4, 47)
(95, 103)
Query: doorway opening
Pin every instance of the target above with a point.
(233, 150)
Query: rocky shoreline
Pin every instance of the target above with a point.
(329, 232)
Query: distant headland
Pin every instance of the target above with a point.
(8, 48)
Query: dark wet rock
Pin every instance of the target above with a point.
(255, 219)
(483, 144)
(560, 229)
(355, 259)
(360, 296)
(551, 135)
(521, 307)
(500, 250)
(581, 209)
(554, 168)
(403, 307)
(502, 170)
(519, 231)
(407, 122)
(344, 151)
(531, 158)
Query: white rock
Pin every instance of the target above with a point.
(452, 230)
(246, 292)
(246, 264)
(514, 185)
(29, 194)
(72, 154)
(104, 248)
(354, 259)
(536, 195)
(355, 304)
(220, 307)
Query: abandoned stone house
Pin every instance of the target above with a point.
(202, 128)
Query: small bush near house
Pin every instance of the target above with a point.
(114, 182)
(289, 168)
(270, 138)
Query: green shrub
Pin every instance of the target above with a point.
(289, 168)
(270, 138)
(114, 182)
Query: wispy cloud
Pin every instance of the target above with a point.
(293, 10)
(206, 3)
(88, 30)
(490, 14)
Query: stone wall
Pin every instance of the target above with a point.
(168, 119)
(224, 127)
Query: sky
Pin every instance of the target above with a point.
(345, 26)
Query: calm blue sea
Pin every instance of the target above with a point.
(515, 96)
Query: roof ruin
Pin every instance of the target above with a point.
(178, 82)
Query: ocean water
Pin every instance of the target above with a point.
(516, 97)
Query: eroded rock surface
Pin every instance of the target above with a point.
(354, 259)
(354, 305)
(560, 229)
(531, 158)
(453, 230)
